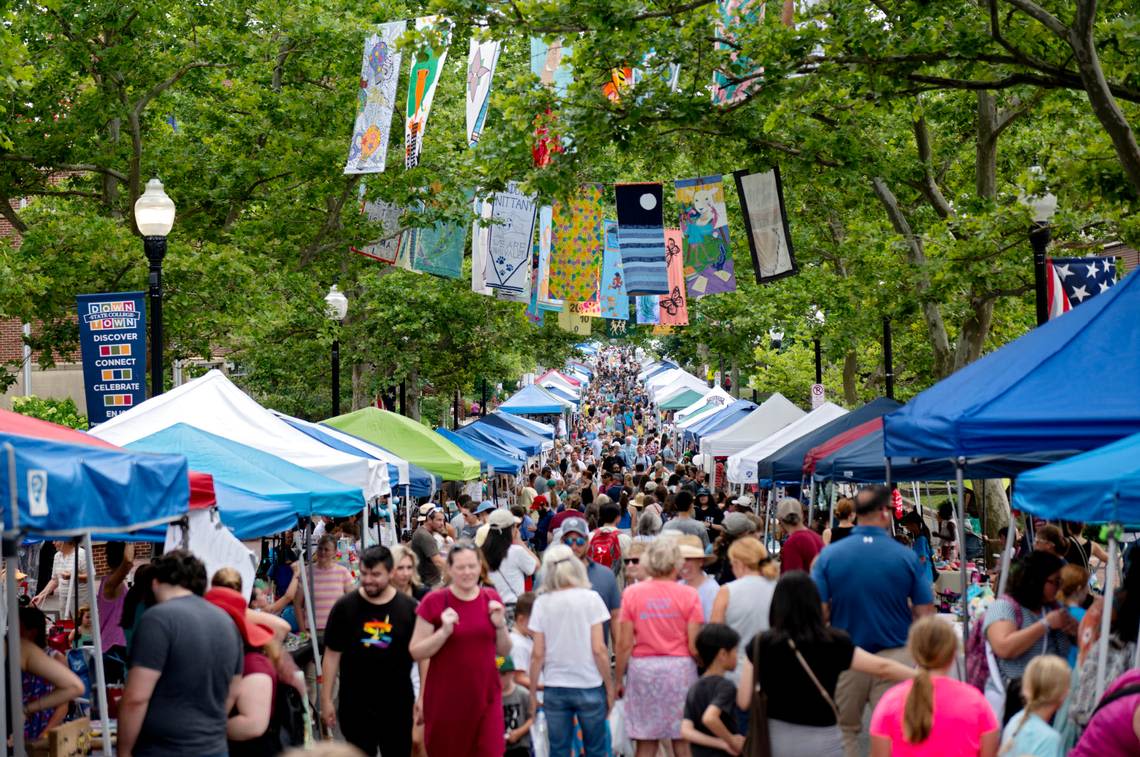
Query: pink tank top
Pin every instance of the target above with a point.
(110, 613)
(1110, 732)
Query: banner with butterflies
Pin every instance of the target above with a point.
(762, 202)
(674, 308)
(613, 300)
(704, 223)
(641, 233)
(481, 62)
(423, 78)
(509, 243)
(375, 100)
(577, 243)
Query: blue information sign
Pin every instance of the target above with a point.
(112, 339)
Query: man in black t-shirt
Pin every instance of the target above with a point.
(709, 513)
(366, 643)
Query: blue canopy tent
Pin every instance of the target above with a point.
(491, 459)
(1020, 398)
(256, 471)
(247, 515)
(720, 419)
(516, 424)
(562, 395)
(544, 430)
(534, 400)
(510, 442)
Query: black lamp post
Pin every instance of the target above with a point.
(336, 307)
(154, 217)
(1043, 205)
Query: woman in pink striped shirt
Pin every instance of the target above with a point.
(331, 581)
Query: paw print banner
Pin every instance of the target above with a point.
(576, 246)
(707, 252)
(510, 243)
(376, 100)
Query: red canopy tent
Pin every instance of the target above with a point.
(568, 379)
(201, 484)
(820, 451)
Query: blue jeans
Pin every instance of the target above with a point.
(589, 705)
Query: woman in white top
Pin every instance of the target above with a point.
(509, 561)
(743, 604)
(62, 568)
(570, 654)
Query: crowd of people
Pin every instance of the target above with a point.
(626, 602)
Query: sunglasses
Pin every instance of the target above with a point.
(632, 560)
(574, 541)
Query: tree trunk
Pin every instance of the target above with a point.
(850, 373)
(413, 394)
(735, 379)
(972, 336)
(996, 514)
(985, 150)
(359, 376)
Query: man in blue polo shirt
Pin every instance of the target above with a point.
(873, 588)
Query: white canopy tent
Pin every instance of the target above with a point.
(561, 383)
(715, 399)
(773, 414)
(213, 403)
(665, 378)
(741, 467)
(666, 393)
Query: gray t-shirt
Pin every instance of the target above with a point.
(425, 547)
(516, 711)
(689, 526)
(198, 650)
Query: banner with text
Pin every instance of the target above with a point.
(112, 339)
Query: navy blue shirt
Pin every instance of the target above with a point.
(867, 579)
(602, 581)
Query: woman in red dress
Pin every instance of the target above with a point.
(461, 628)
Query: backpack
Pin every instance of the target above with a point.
(977, 666)
(605, 549)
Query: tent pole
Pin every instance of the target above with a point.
(306, 580)
(831, 504)
(11, 564)
(959, 474)
(1106, 618)
(408, 505)
(100, 684)
(1006, 554)
(364, 531)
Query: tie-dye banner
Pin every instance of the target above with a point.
(376, 100)
(509, 244)
(479, 234)
(641, 233)
(545, 233)
(741, 77)
(762, 203)
(481, 61)
(613, 298)
(387, 248)
(548, 63)
(423, 78)
(648, 309)
(438, 249)
(569, 319)
(704, 223)
(576, 246)
(674, 307)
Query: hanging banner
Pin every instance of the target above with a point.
(616, 329)
(648, 309)
(427, 65)
(762, 204)
(112, 341)
(569, 319)
(613, 299)
(704, 224)
(376, 100)
(547, 63)
(509, 243)
(438, 250)
(641, 233)
(533, 313)
(545, 233)
(481, 61)
(479, 234)
(674, 307)
(576, 246)
(740, 77)
(387, 248)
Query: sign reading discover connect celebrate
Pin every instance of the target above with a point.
(112, 339)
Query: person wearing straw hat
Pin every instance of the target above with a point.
(693, 571)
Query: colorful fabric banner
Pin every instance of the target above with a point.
(704, 223)
(481, 61)
(545, 233)
(427, 65)
(616, 329)
(576, 246)
(569, 319)
(674, 307)
(376, 100)
(438, 249)
(613, 299)
(547, 63)
(387, 248)
(533, 313)
(641, 233)
(741, 77)
(509, 244)
(648, 309)
(482, 210)
(762, 203)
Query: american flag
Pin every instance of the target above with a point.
(1071, 281)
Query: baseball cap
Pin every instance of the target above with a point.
(703, 491)
(426, 510)
(538, 501)
(505, 664)
(650, 487)
(575, 526)
(485, 507)
(736, 524)
(744, 500)
(502, 518)
(789, 507)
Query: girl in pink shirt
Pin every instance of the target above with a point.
(933, 715)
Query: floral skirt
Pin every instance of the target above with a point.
(655, 696)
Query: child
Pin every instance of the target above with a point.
(81, 634)
(1072, 592)
(920, 541)
(1044, 686)
(516, 711)
(522, 642)
(710, 706)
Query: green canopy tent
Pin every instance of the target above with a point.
(682, 400)
(410, 440)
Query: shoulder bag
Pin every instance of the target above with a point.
(757, 743)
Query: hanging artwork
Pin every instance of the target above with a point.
(704, 224)
(509, 244)
(387, 248)
(615, 329)
(533, 313)
(481, 61)
(642, 236)
(547, 62)
(479, 233)
(376, 100)
(674, 306)
(741, 76)
(648, 309)
(613, 299)
(621, 79)
(545, 232)
(427, 65)
(762, 204)
(438, 250)
(569, 319)
(576, 245)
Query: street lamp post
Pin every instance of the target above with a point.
(336, 307)
(1040, 233)
(154, 217)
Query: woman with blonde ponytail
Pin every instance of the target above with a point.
(933, 715)
(1044, 687)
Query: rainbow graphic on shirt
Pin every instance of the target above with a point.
(377, 633)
